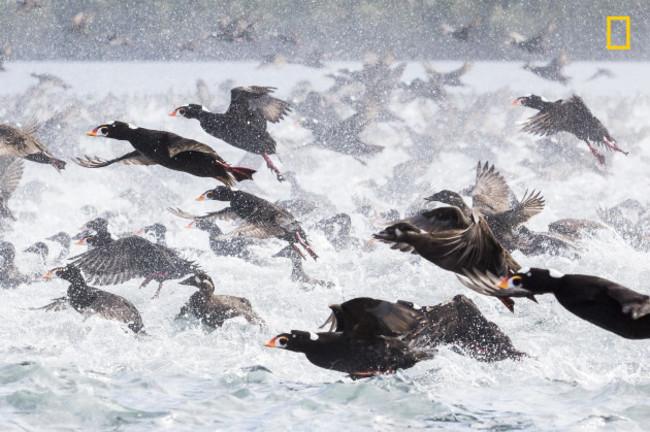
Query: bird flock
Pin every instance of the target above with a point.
(367, 336)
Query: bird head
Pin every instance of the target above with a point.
(189, 111)
(115, 129)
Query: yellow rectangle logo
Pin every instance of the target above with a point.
(609, 33)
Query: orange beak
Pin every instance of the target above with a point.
(201, 198)
(81, 242)
(191, 225)
(504, 283)
(139, 232)
(174, 113)
(48, 275)
(515, 102)
(93, 133)
(271, 343)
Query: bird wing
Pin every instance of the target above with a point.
(133, 158)
(530, 205)
(268, 214)
(57, 304)
(181, 213)
(474, 247)
(178, 144)
(438, 219)
(486, 283)
(11, 177)
(261, 230)
(17, 143)
(255, 105)
(456, 74)
(369, 317)
(113, 307)
(124, 259)
(633, 303)
(516, 37)
(491, 192)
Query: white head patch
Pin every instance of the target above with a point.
(111, 122)
(555, 274)
(204, 109)
(313, 336)
(132, 127)
(524, 270)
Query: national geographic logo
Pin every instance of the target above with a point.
(626, 20)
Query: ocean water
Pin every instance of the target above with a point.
(61, 372)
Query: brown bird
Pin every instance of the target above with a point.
(213, 310)
(494, 201)
(12, 172)
(471, 245)
(21, 143)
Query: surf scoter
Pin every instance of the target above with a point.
(602, 302)
(364, 342)
(457, 323)
(21, 143)
(117, 261)
(9, 179)
(90, 301)
(534, 44)
(464, 33)
(343, 137)
(243, 125)
(505, 214)
(494, 200)
(469, 245)
(10, 276)
(40, 249)
(220, 244)
(570, 115)
(298, 273)
(553, 70)
(213, 310)
(261, 218)
(451, 78)
(64, 240)
(172, 151)
(157, 230)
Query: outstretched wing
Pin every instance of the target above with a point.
(255, 105)
(133, 158)
(635, 304)
(491, 192)
(178, 144)
(11, 177)
(531, 204)
(124, 259)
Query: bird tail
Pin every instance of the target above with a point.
(241, 173)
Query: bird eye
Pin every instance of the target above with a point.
(283, 341)
(104, 130)
(516, 281)
(181, 111)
